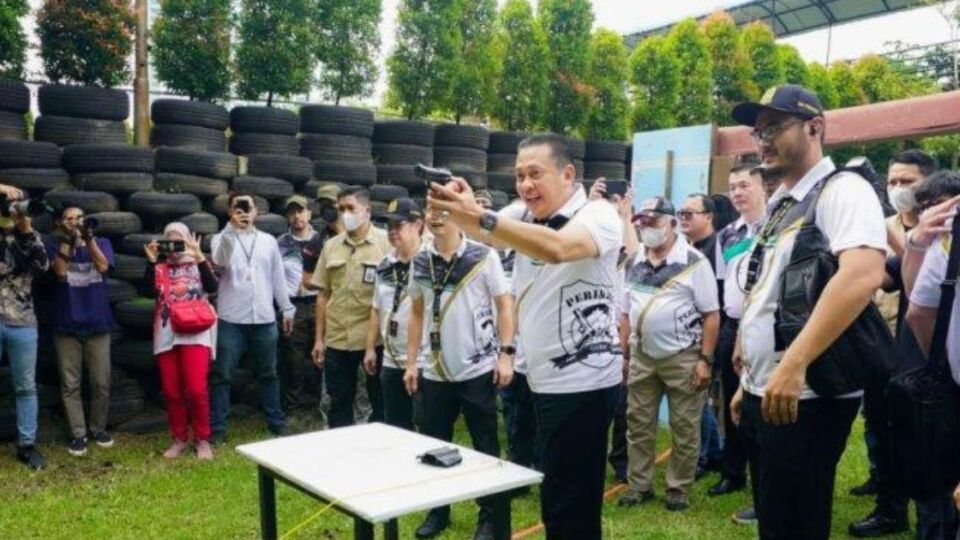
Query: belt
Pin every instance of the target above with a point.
(304, 300)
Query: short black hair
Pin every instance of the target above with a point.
(559, 147)
(358, 192)
(67, 205)
(939, 185)
(724, 211)
(924, 161)
(706, 201)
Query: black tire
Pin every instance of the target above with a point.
(403, 132)
(162, 206)
(629, 158)
(576, 147)
(29, 155)
(502, 182)
(385, 194)
(132, 244)
(243, 144)
(477, 137)
(119, 290)
(333, 119)
(134, 355)
(499, 199)
(604, 169)
(180, 136)
(378, 209)
(83, 102)
(455, 157)
(91, 158)
(202, 223)
(36, 180)
(136, 314)
(13, 126)
(114, 224)
(352, 173)
(605, 151)
(476, 179)
(219, 165)
(271, 224)
(218, 205)
(90, 201)
(254, 119)
(43, 223)
(118, 183)
(320, 147)
(505, 142)
(403, 176)
(189, 113)
(402, 154)
(129, 267)
(296, 170)
(501, 163)
(201, 186)
(63, 131)
(264, 186)
(14, 97)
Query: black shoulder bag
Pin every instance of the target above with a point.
(924, 407)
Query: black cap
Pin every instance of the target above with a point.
(403, 209)
(787, 98)
(657, 205)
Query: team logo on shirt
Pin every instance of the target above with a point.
(586, 325)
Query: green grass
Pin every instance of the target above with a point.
(130, 491)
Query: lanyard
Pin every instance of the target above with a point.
(756, 257)
(438, 288)
(401, 271)
(253, 247)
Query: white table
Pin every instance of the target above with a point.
(371, 473)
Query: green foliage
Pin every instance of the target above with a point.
(347, 44)
(86, 41)
(818, 80)
(523, 79)
(273, 57)
(567, 25)
(421, 64)
(692, 51)
(608, 117)
(761, 46)
(945, 148)
(474, 67)
(191, 47)
(795, 70)
(878, 79)
(13, 43)
(849, 93)
(732, 68)
(655, 81)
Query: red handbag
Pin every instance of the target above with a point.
(186, 316)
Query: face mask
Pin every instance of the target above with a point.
(902, 199)
(351, 221)
(328, 214)
(653, 238)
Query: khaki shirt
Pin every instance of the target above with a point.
(347, 271)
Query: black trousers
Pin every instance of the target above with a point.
(397, 403)
(520, 421)
(573, 430)
(477, 398)
(734, 455)
(793, 466)
(890, 501)
(341, 379)
(618, 443)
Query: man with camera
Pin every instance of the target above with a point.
(22, 257)
(82, 322)
(252, 280)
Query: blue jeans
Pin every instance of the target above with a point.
(20, 344)
(259, 343)
(711, 447)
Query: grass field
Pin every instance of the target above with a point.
(130, 491)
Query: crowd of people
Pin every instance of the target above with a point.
(572, 309)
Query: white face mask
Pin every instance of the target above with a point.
(653, 238)
(902, 198)
(351, 221)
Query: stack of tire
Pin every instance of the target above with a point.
(501, 162)
(180, 123)
(14, 105)
(463, 150)
(202, 174)
(34, 167)
(605, 159)
(398, 147)
(81, 115)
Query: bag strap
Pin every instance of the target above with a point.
(948, 289)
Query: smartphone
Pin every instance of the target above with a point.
(242, 205)
(171, 246)
(615, 187)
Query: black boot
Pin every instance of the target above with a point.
(437, 521)
(878, 524)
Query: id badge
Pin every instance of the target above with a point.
(394, 327)
(369, 274)
(435, 341)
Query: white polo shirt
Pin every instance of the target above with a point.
(515, 210)
(849, 216)
(666, 304)
(926, 293)
(566, 312)
(738, 238)
(384, 293)
(468, 328)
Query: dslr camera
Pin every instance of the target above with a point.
(26, 207)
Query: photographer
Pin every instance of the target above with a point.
(179, 272)
(82, 322)
(22, 257)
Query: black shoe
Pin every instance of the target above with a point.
(635, 497)
(77, 446)
(867, 489)
(435, 524)
(279, 431)
(876, 525)
(102, 438)
(484, 531)
(218, 438)
(726, 486)
(676, 500)
(31, 457)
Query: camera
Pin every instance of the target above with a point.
(26, 207)
(242, 205)
(433, 174)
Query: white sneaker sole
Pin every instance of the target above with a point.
(105, 445)
(77, 453)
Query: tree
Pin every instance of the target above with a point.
(877, 78)
(274, 55)
(607, 77)
(191, 47)
(655, 80)
(732, 68)
(690, 47)
(820, 82)
(347, 46)
(474, 66)
(421, 64)
(86, 41)
(945, 148)
(567, 24)
(523, 79)
(849, 93)
(13, 43)
(795, 70)
(761, 46)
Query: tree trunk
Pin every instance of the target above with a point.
(141, 83)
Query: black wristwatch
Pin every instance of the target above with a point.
(509, 350)
(488, 221)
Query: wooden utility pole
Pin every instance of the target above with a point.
(141, 82)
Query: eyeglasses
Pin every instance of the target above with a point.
(772, 131)
(688, 214)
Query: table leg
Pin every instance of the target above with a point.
(501, 516)
(268, 505)
(391, 530)
(362, 529)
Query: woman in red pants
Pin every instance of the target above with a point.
(179, 272)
